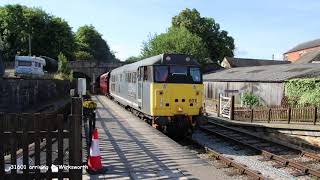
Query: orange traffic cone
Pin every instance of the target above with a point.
(94, 159)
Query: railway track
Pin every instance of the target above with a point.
(229, 162)
(303, 163)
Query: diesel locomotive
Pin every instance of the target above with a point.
(166, 90)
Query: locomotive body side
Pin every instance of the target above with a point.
(167, 89)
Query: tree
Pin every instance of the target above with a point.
(218, 42)
(50, 35)
(89, 40)
(176, 40)
(83, 55)
(62, 64)
(133, 59)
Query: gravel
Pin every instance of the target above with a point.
(243, 156)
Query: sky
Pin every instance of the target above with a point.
(260, 28)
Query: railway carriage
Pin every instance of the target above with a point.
(104, 84)
(167, 89)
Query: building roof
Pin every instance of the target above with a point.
(305, 45)
(309, 57)
(245, 62)
(272, 73)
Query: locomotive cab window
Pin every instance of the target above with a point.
(161, 73)
(177, 74)
(195, 74)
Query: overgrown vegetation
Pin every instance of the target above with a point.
(249, 99)
(49, 35)
(63, 73)
(303, 91)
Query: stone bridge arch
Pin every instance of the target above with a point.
(91, 70)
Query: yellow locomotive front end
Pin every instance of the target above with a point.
(176, 96)
(176, 99)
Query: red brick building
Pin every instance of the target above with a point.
(296, 52)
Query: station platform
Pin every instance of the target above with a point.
(275, 125)
(131, 149)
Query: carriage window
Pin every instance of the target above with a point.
(147, 73)
(24, 63)
(160, 73)
(134, 77)
(195, 74)
(179, 70)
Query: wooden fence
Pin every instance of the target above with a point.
(307, 115)
(298, 114)
(41, 140)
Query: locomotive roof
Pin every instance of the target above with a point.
(161, 59)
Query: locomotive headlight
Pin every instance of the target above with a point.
(188, 59)
(168, 58)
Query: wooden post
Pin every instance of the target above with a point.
(60, 143)
(13, 142)
(251, 117)
(76, 106)
(315, 115)
(2, 138)
(232, 108)
(289, 115)
(25, 143)
(75, 141)
(269, 115)
(36, 120)
(48, 147)
(76, 146)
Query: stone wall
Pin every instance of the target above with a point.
(17, 95)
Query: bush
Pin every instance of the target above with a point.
(303, 91)
(249, 99)
(83, 55)
(310, 98)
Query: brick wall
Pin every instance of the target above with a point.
(293, 56)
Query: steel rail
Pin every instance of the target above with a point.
(271, 156)
(302, 152)
(229, 162)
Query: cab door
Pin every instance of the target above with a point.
(140, 87)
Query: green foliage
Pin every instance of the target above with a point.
(89, 40)
(303, 91)
(133, 59)
(176, 40)
(50, 35)
(218, 43)
(62, 64)
(311, 98)
(83, 55)
(250, 99)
